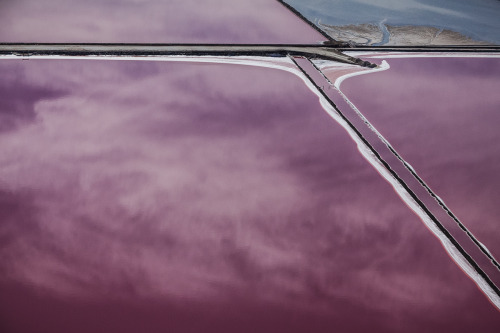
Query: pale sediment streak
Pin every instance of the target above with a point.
(282, 63)
(400, 55)
(382, 67)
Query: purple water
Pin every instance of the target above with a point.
(152, 21)
(441, 114)
(186, 197)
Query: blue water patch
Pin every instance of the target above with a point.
(385, 33)
(477, 19)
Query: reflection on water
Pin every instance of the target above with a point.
(183, 195)
(152, 21)
(441, 115)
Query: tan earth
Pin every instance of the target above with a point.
(370, 34)
(364, 34)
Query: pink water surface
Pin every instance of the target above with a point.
(153, 196)
(442, 115)
(152, 21)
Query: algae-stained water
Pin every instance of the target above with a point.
(129, 201)
(151, 21)
(441, 114)
(409, 21)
